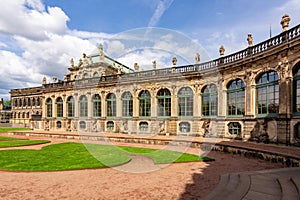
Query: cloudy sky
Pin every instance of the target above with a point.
(39, 37)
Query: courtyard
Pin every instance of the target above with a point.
(191, 180)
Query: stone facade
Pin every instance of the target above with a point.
(252, 94)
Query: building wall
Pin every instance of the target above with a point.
(262, 80)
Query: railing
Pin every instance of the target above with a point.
(290, 35)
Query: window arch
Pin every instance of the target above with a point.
(33, 101)
(236, 98)
(127, 104)
(144, 103)
(184, 127)
(144, 126)
(164, 102)
(185, 102)
(110, 125)
(38, 103)
(96, 74)
(296, 89)
(71, 106)
(267, 93)
(96, 105)
(59, 107)
(234, 128)
(85, 76)
(111, 105)
(83, 106)
(29, 101)
(210, 100)
(297, 131)
(49, 107)
(82, 125)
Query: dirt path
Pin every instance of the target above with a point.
(175, 181)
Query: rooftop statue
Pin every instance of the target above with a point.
(197, 58)
(250, 40)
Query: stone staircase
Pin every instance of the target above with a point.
(282, 184)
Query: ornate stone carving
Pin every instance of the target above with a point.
(285, 21)
(222, 51)
(136, 67)
(250, 40)
(44, 80)
(197, 58)
(259, 132)
(154, 64)
(174, 61)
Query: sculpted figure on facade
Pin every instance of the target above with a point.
(250, 40)
(162, 127)
(285, 21)
(44, 80)
(197, 58)
(222, 51)
(136, 67)
(80, 63)
(154, 64)
(174, 61)
(72, 63)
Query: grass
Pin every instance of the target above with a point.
(7, 129)
(70, 156)
(9, 138)
(17, 143)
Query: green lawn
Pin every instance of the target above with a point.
(17, 143)
(9, 138)
(70, 156)
(7, 129)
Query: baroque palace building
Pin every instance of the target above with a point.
(250, 94)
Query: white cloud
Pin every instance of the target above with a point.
(28, 18)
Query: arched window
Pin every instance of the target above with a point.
(185, 102)
(234, 128)
(95, 74)
(27, 115)
(296, 89)
(85, 76)
(97, 105)
(110, 125)
(184, 127)
(83, 106)
(236, 98)
(38, 103)
(49, 107)
(127, 104)
(58, 124)
(71, 107)
(15, 103)
(59, 107)
(144, 127)
(164, 102)
(33, 101)
(111, 105)
(20, 103)
(267, 93)
(29, 101)
(82, 125)
(210, 100)
(297, 131)
(144, 103)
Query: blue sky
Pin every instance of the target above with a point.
(39, 37)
